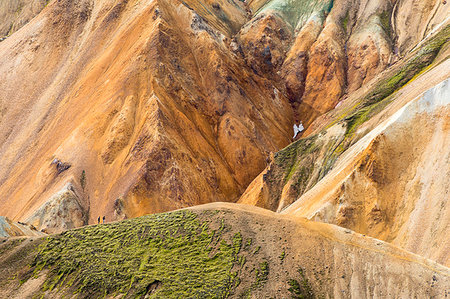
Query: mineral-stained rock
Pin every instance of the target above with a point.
(392, 184)
(413, 20)
(326, 79)
(266, 40)
(16, 13)
(362, 167)
(149, 101)
(161, 105)
(118, 109)
(369, 53)
(64, 210)
(295, 66)
(10, 228)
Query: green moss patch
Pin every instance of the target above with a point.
(297, 163)
(288, 158)
(421, 59)
(382, 94)
(172, 255)
(300, 287)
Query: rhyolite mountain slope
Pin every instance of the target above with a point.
(393, 183)
(130, 108)
(122, 108)
(10, 229)
(127, 107)
(215, 251)
(16, 13)
(378, 163)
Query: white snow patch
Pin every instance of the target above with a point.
(298, 129)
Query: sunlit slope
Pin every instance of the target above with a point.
(216, 250)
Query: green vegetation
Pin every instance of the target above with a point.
(261, 277)
(262, 274)
(414, 66)
(181, 254)
(10, 30)
(7, 245)
(170, 255)
(345, 21)
(385, 19)
(296, 163)
(19, 7)
(83, 179)
(302, 289)
(237, 243)
(297, 11)
(382, 94)
(288, 158)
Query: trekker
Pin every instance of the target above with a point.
(103, 219)
(98, 220)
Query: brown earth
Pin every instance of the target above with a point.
(392, 185)
(125, 108)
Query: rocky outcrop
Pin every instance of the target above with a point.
(413, 20)
(297, 168)
(9, 229)
(369, 47)
(162, 105)
(168, 119)
(362, 167)
(265, 42)
(120, 130)
(125, 108)
(62, 211)
(294, 69)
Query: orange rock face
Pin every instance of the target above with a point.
(15, 14)
(144, 107)
(149, 108)
(326, 67)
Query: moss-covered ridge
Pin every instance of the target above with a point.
(171, 255)
(380, 95)
(199, 253)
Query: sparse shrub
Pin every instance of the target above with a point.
(83, 179)
(302, 289)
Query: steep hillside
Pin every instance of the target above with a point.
(393, 184)
(297, 168)
(16, 13)
(122, 108)
(216, 250)
(285, 149)
(378, 166)
(139, 107)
